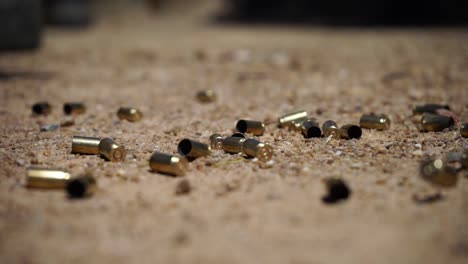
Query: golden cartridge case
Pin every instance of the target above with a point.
(429, 108)
(431, 122)
(436, 172)
(216, 142)
(337, 190)
(206, 96)
(310, 129)
(238, 134)
(81, 187)
(111, 150)
(330, 128)
(41, 108)
(85, 145)
(233, 144)
(46, 178)
(373, 121)
(168, 164)
(257, 149)
(464, 159)
(464, 130)
(193, 149)
(288, 119)
(350, 131)
(256, 128)
(74, 108)
(129, 114)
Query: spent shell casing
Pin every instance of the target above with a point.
(216, 142)
(233, 144)
(130, 114)
(46, 178)
(41, 108)
(330, 128)
(288, 119)
(464, 159)
(238, 134)
(254, 148)
(85, 145)
(350, 131)
(375, 121)
(74, 108)
(310, 129)
(337, 190)
(193, 149)
(432, 122)
(81, 187)
(111, 150)
(464, 130)
(168, 164)
(429, 108)
(438, 173)
(206, 96)
(256, 128)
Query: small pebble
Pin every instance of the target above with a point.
(183, 187)
(49, 128)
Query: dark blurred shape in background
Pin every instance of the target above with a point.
(21, 21)
(351, 13)
(20, 24)
(76, 13)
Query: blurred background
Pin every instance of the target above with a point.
(22, 22)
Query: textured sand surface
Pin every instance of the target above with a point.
(238, 210)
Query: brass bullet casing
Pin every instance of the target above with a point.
(375, 121)
(193, 149)
(436, 172)
(257, 149)
(46, 178)
(81, 187)
(233, 144)
(350, 131)
(337, 190)
(256, 128)
(288, 119)
(74, 108)
(238, 134)
(85, 145)
(432, 123)
(206, 96)
(464, 159)
(41, 108)
(464, 130)
(216, 142)
(168, 164)
(429, 108)
(330, 128)
(111, 150)
(129, 114)
(310, 129)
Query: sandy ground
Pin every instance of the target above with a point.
(238, 211)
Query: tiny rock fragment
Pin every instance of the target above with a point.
(337, 190)
(183, 187)
(427, 199)
(48, 128)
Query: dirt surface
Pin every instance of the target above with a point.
(236, 210)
